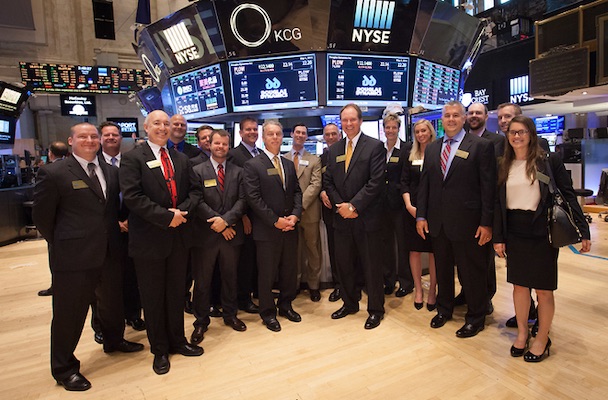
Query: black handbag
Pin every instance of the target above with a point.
(562, 228)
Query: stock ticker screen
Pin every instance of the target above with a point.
(434, 85)
(199, 93)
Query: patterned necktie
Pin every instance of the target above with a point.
(296, 160)
(169, 175)
(349, 155)
(445, 155)
(255, 151)
(277, 165)
(114, 161)
(93, 175)
(220, 176)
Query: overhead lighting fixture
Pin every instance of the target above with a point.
(584, 93)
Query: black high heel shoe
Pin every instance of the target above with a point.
(418, 305)
(431, 307)
(531, 357)
(517, 352)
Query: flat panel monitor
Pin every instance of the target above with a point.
(12, 99)
(237, 136)
(366, 80)
(434, 85)
(331, 119)
(128, 126)
(8, 126)
(73, 105)
(371, 129)
(274, 83)
(199, 93)
(150, 99)
(549, 125)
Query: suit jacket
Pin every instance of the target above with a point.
(410, 178)
(563, 183)
(191, 151)
(309, 178)
(361, 185)
(465, 199)
(230, 204)
(75, 220)
(326, 213)
(266, 197)
(239, 155)
(199, 158)
(146, 195)
(497, 140)
(392, 173)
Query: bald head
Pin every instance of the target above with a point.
(156, 126)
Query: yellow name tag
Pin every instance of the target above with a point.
(324, 169)
(462, 154)
(542, 178)
(210, 183)
(153, 164)
(417, 162)
(341, 158)
(272, 171)
(79, 185)
(393, 159)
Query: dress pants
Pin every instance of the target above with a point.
(206, 260)
(396, 253)
(352, 244)
(309, 253)
(161, 285)
(472, 263)
(247, 271)
(329, 227)
(277, 259)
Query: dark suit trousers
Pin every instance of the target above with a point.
(396, 258)
(161, 285)
(205, 261)
(277, 259)
(357, 244)
(131, 298)
(331, 245)
(247, 271)
(472, 263)
(73, 292)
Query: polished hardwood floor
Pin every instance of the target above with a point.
(320, 358)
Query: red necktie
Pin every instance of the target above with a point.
(220, 176)
(169, 175)
(445, 155)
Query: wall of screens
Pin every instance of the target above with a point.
(434, 85)
(199, 93)
(366, 80)
(274, 82)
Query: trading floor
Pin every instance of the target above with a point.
(320, 358)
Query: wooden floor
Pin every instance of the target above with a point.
(320, 358)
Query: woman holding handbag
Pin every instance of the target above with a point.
(521, 230)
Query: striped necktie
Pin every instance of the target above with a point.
(220, 176)
(445, 155)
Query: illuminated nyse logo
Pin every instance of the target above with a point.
(273, 90)
(280, 35)
(373, 21)
(368, 88)
(519, 90)
(181, 43)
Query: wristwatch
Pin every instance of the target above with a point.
(351, 208)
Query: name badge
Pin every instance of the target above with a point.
(542, 178)
(462, 154)
(303, 163)
(417, 162)
(153, 164)
(272, 171)
(210, 183)
(341, 158)
(79, 184)
(393, 159)
(324, 169)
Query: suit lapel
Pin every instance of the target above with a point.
(269, 164)
(356, 153)
(148, 155)
(177, 168)
(76, 169)
(465, 145)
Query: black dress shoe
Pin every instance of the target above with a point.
(531, 357)
(98, 337)
(418, 306)
(469, 330)
(439, 320)
(517, 352)
(215, 312)
(373, 321)
(291, 315)
(250, 308)
(511, 322)
(46, 292)
(490, 309)
(197, 335)
(431, 307)
(342, 312)
(402, 292)
(124, 346)
(188, 307)
(272, 324)
(235, 324)
(188, 350)
(460, 299)
(138, 324)
(75, 383)
(161, 364)
(388, 289)
(315, 295)
(335, 295)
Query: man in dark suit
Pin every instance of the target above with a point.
(179, 128)
(247, 272)
(203, 138)
(76, 211)
(354, 181)
(331, 135)
(161, 191)
(275, 199)
(218, 234)
(456, 205)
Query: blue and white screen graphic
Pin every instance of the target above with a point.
(274, 83)
(366, 80)
(199, 93)
(374, 14)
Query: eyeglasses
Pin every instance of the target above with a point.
(522, 132)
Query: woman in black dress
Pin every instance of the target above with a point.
(410, 179)
(520, 230)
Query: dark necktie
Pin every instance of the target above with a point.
(169, 175)
(220, 177)
(255, 151)
(445, 155)
(96, 184)
(114, 161)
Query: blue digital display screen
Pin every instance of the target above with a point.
(199, 93)
(274, 83)
(366, 80)
(435, 85)
(554, 124)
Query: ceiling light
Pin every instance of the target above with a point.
(584, 93)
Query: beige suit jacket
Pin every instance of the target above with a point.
(309, 177)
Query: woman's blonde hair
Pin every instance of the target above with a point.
(416, 153)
